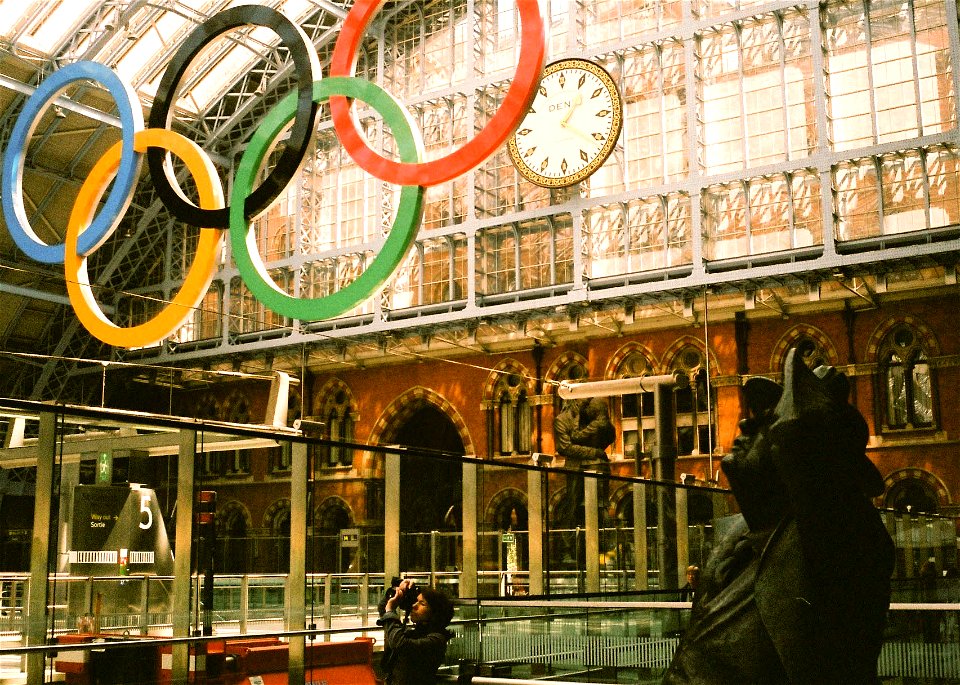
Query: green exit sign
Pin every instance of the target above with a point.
(105, 468)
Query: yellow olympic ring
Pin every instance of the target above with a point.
(201, 271)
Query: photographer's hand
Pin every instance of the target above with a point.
(392, 603)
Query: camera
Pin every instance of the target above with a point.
(409, 595)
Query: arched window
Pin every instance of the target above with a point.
(338, 427)
(515, 414)
(696, 404)
(905, 374)
(330, 555)
(237, 462)
(229, 462)
(279, 541)
(811, 351)
(236, 545)
(636, 411)
(913, 496)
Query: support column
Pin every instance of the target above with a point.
(468, 572)
(640, 536)
(905, 540)
(183, 543)
(297, 577)
(664, 469)
(144, 604)
(244, 602)
(683, 538)
(591, 522)
(37, 611)
(535, 530)
(69, 479)
(391, 517)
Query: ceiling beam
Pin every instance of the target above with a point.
(34, 294)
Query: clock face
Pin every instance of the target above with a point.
(572, 126)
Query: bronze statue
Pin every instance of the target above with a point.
(798, 589)
(582, 431)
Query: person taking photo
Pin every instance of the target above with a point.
(414, 646)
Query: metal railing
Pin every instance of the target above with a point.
(615, 639)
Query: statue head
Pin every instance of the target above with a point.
(809, 412)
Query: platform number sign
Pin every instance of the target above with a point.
(145, 523)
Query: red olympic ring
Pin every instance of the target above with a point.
(514, 107)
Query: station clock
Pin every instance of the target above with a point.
(572, 126)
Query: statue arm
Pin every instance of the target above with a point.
(835, 520)
(568, 438)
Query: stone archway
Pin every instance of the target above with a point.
(277, 544)
(916, 491)
(430, 488)
(234, 524)
(332, 515)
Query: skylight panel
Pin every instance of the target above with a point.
(145, 49)
(42, 26)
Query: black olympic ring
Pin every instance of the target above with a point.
(307, 67)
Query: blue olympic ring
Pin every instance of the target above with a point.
(11, 184)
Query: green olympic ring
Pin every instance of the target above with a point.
(405, 224)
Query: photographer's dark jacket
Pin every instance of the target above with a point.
(411, 654)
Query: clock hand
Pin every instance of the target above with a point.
(577, 132)
(576, 102)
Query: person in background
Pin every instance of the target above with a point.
(693, 577)
(413, 653)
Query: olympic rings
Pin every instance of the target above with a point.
(87, 229)
(307, 69)
(201, 271)
(131, 121)
(512, 110)
(405, 224)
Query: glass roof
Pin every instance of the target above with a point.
(41, 26)
(137, 38)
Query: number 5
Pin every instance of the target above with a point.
(145, 509)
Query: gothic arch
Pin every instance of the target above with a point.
(332, 505)
(207, 408)
(406, 405)
(937, 486)
(230, 509)
(928, 341)
(631, 348)
(620, 496)
(555, 502)
(502, 497)
(555, 371)
(275, 512)
(678, 345)
(295, 405)
(790, 338)
(236, 407)
(505, 368)
(329, 390)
